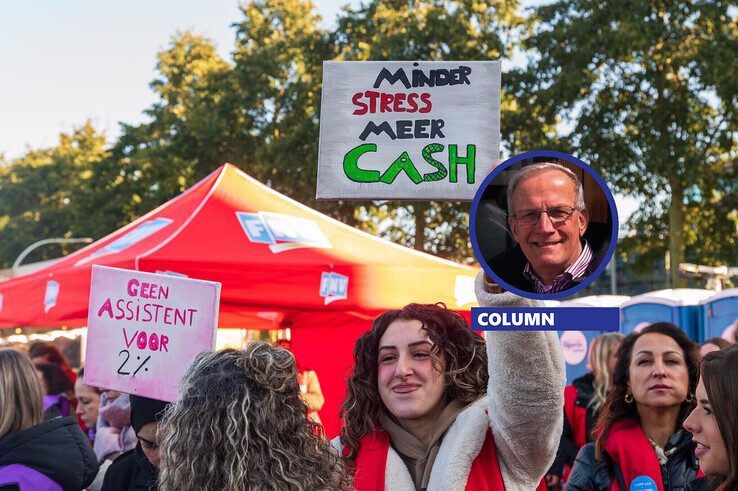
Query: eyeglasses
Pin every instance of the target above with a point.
(557, 214)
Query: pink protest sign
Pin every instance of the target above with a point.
(144, 329)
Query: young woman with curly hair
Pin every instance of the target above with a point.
(239, 423)
(640, 444)
(714, 421)
(429, 406)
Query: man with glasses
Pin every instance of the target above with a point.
(548, 220)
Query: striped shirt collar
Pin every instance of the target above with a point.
(575, 271)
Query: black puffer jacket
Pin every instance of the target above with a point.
(590, 474)
(57, 449)
(701, 484)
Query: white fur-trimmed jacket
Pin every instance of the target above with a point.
(524, 409)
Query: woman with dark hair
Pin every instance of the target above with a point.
(54, 383)
(417, 415)
(714, 421)
(88, 404)
(43, 353)
(640, 441)
(713, 344)
(239, 423)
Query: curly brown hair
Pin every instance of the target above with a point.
(616, 409)
(464, 366)
(239, 423)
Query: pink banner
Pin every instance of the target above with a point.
(144, 329)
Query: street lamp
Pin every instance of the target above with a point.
(59, 240)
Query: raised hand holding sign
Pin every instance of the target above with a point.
(144, 329)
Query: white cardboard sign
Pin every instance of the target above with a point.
(408, 130)
(144, 329)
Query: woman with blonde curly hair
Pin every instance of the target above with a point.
(430, 406)
(239, 423)
(582, 402)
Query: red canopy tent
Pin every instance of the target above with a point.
(280, 263)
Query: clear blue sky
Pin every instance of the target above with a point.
(63, 62)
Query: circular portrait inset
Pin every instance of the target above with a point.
(543, 224)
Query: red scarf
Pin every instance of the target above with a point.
(631, 451)
(371, 462)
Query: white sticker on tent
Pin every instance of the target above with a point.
(407, 130)
(52, 292)
(464, 291)
(281, 232)
(333, 286)
(132, 237)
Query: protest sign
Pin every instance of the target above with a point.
(408, 130)
(144, 329)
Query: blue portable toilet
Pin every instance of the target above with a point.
(720, 315)
(575, 344)
(680, 306)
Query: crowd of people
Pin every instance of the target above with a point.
(430, 404)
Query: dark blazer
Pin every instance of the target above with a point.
(509, 265)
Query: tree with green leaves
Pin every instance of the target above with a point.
(648, 92)
(193, 127)
(43, 194)
(429, 30)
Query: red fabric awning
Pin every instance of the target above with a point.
(280, 263)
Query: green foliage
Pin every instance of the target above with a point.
(645, 91)
(193, 128)
(648, 90)
(429, 30)
(43, 194)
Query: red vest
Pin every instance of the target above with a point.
(630, 450)
(576, 415)
(371, 462)
(633, 453)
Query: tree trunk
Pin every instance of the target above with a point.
(420, 207)
(676, 232)
(676, 206)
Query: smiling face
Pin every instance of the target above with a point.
(549, 248)
(702, 424)
(409, 384)
(658, 374)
